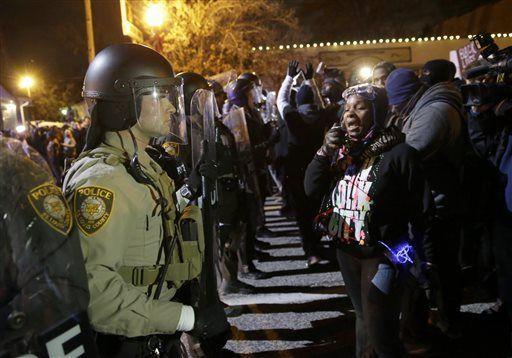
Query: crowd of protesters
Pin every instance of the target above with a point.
(399, 159)
(397, 172)
(58, 145)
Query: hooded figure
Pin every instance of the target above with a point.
(436, 71)
(432, 121)
(305, 125)
(332, 90)
(401, 85)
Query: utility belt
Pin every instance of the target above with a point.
(153, 346)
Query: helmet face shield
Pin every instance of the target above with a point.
(257, 94)
(162, 112)
(271, 108)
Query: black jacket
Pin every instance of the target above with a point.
(305, 134)
(490, 136)
(434, 129)
(374, 199)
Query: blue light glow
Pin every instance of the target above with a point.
(402, 253)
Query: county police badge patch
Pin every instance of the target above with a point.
(92, 207)
(50, 205)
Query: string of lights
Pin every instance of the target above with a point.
(372, 42)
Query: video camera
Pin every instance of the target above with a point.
(499, 61)
(498, 65)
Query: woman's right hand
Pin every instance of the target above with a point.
(334, 139)
(293, 68)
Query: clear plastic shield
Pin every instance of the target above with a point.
(203, 110)
(257, 94)
(43, 284)
(162, 112)
(271, 108)
(235, 121)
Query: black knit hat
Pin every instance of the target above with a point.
(305, 95)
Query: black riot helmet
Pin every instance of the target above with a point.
(117, 79)
(191, 83)
(253, 78)
(250, 76)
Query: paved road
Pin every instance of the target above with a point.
(301, 312)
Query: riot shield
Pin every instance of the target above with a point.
(43, 283)
(203, 110)
(235, 121)
(271, 108)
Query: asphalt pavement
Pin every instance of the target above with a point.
(304, 312)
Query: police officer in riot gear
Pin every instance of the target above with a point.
(201, 109)
(131, 229)
(253, 78)
(227, 220)
(43, 284)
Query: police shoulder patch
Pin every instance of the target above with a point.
(49, 204)
(92, 208)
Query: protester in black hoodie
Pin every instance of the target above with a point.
(378, 191)
(436, 71)
(305, 131)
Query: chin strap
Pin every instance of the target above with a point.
(135, 169)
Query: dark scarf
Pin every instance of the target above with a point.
(374, 144)
(398, 118)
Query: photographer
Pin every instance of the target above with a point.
(490, 132)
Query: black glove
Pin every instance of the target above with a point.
(211, 328)
(309, 73)
(209, 170)
(293, 68)
(333, 140)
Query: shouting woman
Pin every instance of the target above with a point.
(373, 191)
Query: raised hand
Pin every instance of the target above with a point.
(293, 68)
(309, 73)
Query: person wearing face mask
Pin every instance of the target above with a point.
(375, 189)
(433, 123)
(132, 232)
(436, 71)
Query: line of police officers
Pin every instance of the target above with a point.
(126, 258)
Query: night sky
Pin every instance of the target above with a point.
(47, 38)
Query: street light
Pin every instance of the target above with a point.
(20, 128)
(155, 14)
(365, 73)
(26, 82)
